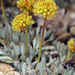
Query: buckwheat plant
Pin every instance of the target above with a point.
(71, 48)
(20, 22)
(48, 9)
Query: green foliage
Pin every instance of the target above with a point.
(53, 66)
(17, 51)
(5, 33)
(4, 57)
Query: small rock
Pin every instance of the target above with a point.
(72, 30)
(1, 73)
(5, 67)
(12, 73)
(60, 31)
(40, 22)
(64, 37)
(45, 73)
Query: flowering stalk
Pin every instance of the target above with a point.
(3, 11)
(71, 48)
(26, 34)
(68, 56)
(21, 22)
(41, 41)
(48, 9)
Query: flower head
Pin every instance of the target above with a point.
(21, 21)
(47, 8)
(71, 45)
(25, 5)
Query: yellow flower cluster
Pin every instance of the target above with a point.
(71, 45)
(21, 21)
(47, 8)
(26, 5)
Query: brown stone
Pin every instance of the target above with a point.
(72, 30)
(6, 69)
(12, 73)
(64, 37)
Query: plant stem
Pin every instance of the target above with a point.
(3, 11)
(26, 34)
(41, 41)
(68, 56)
